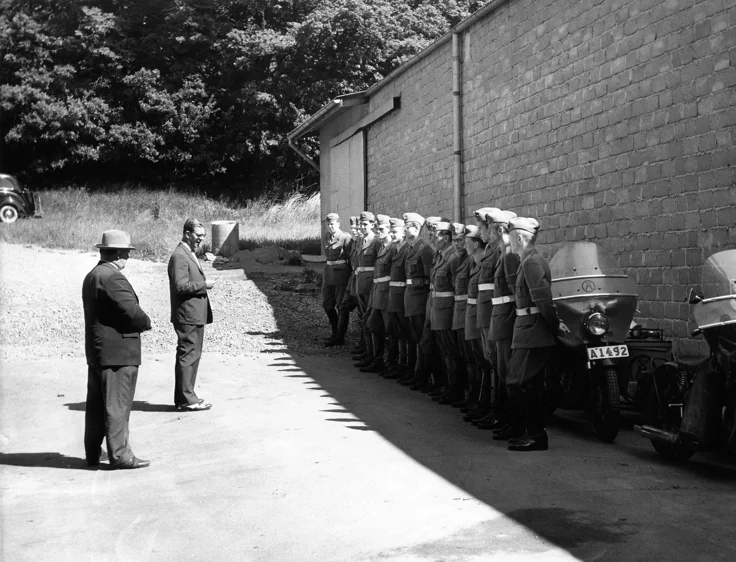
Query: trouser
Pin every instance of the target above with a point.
(377, 325)
(188, 354)
(503, 359)
(400, 330)
(416, 329)
(332, 296)
(484, 372)
(526, 383)
(432, 359)
(471, 382)
(347, 305)
(449, 348)
(110, 392)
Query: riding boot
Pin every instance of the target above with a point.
(376, 364)
(332, 316)
(392, 357)
(400, 368)
(421, 376)
(411, 361)
(368, 356)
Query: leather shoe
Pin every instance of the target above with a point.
(338, 340)
(507, 432)
(200, 406)
(536, 442)
(491, 424)
(373, 367)
(475, 414)
(132, 463)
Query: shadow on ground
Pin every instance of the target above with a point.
(138, 406)
(579, 499)
(45, 460)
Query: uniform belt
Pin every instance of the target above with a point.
(362, 269)
(396, 284)
(336, 262)
(442, 294)
(461, 298)
(382, 279)
(501, 300)
(485, 287)
(413, 281)
(472, 301)
(527, 310)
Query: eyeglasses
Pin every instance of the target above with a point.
(196, 235)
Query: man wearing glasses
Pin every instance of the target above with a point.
(190, 311)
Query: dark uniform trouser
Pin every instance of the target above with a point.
(471, 382)
(332, 297)
(525, 381)
(451, 357)
(110, 392)
(483, 370)
(188, 353)
(503, 360)
(400, 329)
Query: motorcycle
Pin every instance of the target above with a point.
(691, 405)
(596, 300)
(648, 349)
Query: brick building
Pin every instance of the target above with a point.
(611, 121)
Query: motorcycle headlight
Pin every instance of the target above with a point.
(597, 324)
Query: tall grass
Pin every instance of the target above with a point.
(74, 218)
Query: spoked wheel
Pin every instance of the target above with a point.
(664, 411)
(606, 404)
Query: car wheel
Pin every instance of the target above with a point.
(8, 214)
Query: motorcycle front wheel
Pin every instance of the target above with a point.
(660, 413)
(606, 404)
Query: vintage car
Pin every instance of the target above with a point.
(15, 201)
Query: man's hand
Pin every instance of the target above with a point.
(562, 330)
(209, 283)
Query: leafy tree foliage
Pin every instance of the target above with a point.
(189, 90)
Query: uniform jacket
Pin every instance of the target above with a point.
(113, 320)
(504, 314)
(367, 258)
(460, 278)
(337, 248)
(441, 280)
(417, 267)
(471, 312)
(487, 277)
(189, 301)
(379, 296)
(533, 288)
(398, 276)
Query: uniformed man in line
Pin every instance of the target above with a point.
(535, 330)
(417, 267)
(437, 378)
(484, 280)
(502, 316)
(377, 322)
(397, 287)
(364, 277)
(443, 301)
(468, 382)
(350, 300)
(337, 245)
(476, 246)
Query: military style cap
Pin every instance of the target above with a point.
(458, 230)
(353, 221)
(332, 217)
(480, 214)
(443, 226)
(498, 216)
(415, 218)
(472, 231)
(524, 223)
(382, 220)
(396, 222)
(367, 216)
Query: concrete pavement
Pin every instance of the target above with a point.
(306, 459)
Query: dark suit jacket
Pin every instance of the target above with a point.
(113, 320)
(189, 301)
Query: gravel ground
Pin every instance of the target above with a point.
(255, 303)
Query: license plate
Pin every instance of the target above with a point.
(607, 352)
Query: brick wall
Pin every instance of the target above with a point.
(610, 121)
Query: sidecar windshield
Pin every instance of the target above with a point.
(719, 275)
(584, 259)
(718, 307)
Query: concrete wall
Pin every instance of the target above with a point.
(610, 121)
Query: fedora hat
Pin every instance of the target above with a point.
(115, 240)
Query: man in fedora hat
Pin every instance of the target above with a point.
(190, 311)
(113, 321)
